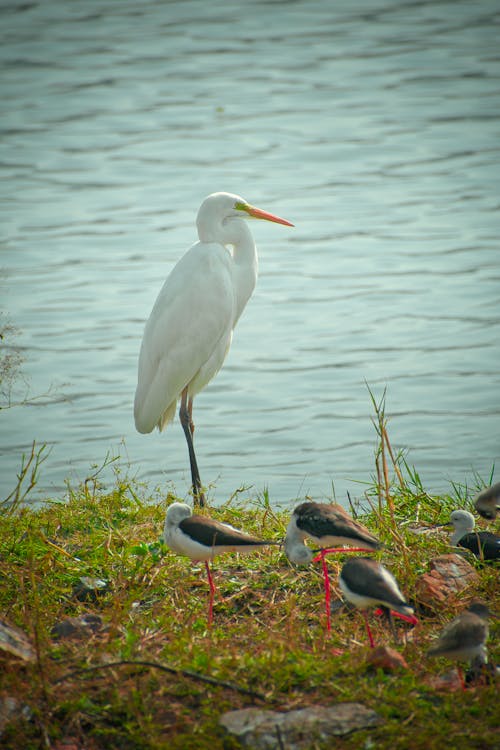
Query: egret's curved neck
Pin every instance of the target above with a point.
(234, 234)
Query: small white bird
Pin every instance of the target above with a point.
(201, 538)
(189, 330)
(367, 583)
(484, 544)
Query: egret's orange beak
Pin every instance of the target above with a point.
(258, 213)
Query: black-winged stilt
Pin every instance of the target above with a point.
(367, 583)
(464, 638)
(202, 538)
(331, 528)
(487, 502)
(484, 544)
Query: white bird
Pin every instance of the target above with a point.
(484, 544)
(367, 583)
(326, 525)
(201, 538)
(189, 331)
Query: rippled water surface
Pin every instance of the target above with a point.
(373, 126)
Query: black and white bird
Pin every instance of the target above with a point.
(332, 529)
(202, 538)
(484, 544)
(487, 502)
(367, 583)
(464, 638)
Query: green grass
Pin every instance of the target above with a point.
(154, 676)
(268, 637)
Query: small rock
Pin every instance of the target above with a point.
(15, 641)
(387, 659)
(12, 710)
(454, 568)
(448, 576)
(89, 588)
(296, 730)
(77, 627)
(449, 681)
(68, 743)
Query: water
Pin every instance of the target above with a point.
(373, 126)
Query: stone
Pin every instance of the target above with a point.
(449, 575)
(15, 641)
(89, 588)
(386, 658)
(447, 682)
(77, 627)
(296, 730)
(11, 709)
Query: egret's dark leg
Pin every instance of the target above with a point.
(212, 594)
(186, 417)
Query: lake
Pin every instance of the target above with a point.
(373, 126)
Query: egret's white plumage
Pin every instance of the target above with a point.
(189, 331)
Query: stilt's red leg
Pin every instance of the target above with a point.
(370, 637)
(212, 593)
(327, 592)
(461, 675)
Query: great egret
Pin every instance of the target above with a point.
(326, 525)
(189, 331)
(202, 538)
(367, 583)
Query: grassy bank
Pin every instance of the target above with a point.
(153, 676)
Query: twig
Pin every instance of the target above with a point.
(30, 466)
(394, 461)
(280, 738)
(164, 668)
(353, 509)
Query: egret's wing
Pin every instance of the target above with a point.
(191, 318)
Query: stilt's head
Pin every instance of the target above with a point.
(175, 514)
(463, 523)
(487, 502)
(481, 609)
(294, 546)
